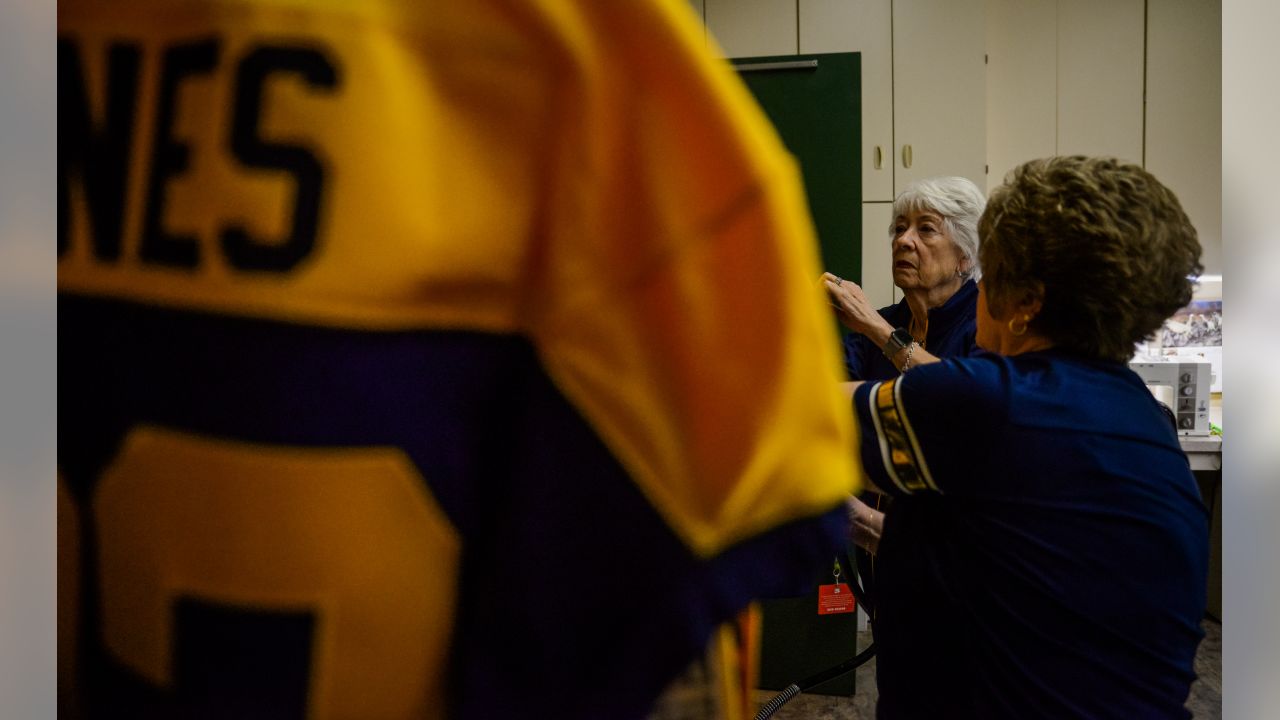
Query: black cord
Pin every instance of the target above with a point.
(794, 689)
(777, 701)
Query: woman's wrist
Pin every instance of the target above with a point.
(910, 350)
(879, 335)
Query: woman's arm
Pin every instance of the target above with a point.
(856, 313)
(855, 310)
(867, 524)
(912, 356)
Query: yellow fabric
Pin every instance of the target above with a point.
(583, 173)
(261, 526)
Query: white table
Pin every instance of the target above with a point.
(1204, 451)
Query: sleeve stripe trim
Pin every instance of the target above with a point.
(917, 451)
(886, 457)
(899, 453)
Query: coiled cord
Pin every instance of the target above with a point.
(777, 701)
(768, 709)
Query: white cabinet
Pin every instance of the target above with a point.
(1069, 77)
(923, 87)
(751, 28)
(829, 26)
(939, 90)
(1100, 68)
(1184, 113)
(923, 104)
(1064, 77)
(877, 254)
(1022, 102)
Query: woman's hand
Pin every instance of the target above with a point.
(867, 522)
(854, 310)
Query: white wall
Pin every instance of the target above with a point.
(1127, 78)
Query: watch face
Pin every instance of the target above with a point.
(898, 340)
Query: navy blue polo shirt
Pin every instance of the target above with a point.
(1048, 548)
(951, 333)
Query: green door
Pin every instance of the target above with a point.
(814, 102)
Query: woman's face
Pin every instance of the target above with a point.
(924, 255)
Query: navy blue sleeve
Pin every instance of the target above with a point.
(928, 430)
(856, 346)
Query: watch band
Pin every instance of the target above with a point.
(898, 339)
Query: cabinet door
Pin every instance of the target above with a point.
(751, 28)
(1184, 113)
(939, 90)
(877, 254)
(1100, 57)
(862, 26)
(1022, 65)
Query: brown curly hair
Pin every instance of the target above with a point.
(1105, 246)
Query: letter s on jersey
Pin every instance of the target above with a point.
(95, 153)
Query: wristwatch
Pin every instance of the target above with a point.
(898, 339)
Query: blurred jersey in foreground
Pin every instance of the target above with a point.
(424, 359)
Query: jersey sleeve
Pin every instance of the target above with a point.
(685, 323)
(856, 347)
(929, 430)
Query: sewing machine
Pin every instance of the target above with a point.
(1182, 384)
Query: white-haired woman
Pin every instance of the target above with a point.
(935, 263)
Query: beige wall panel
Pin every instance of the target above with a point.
(1100, 59)
(750, 28)
(1184, 112)
(1022, 100)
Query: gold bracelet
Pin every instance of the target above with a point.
(907, 363)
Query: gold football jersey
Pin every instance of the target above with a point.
(426, 356)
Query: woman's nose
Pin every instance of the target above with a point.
(907, 238)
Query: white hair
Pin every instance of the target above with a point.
(958, 201)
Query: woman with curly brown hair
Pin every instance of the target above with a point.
(1047, 552)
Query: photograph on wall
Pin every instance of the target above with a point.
(1196, 325)
(1195, 332)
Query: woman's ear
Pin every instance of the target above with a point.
(1027, 302)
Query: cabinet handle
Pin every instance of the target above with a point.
(879, 158)
(906, 156)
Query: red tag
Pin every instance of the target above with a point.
(834, 599)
